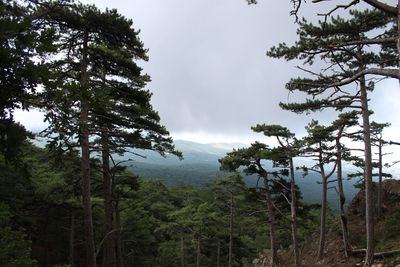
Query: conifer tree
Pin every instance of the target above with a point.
(347, 64)
(345, 120)
(21, 40)
(230, 191)
(96, 88)
(290, 147)
(391, 39)
(122, 116)
(252, 159)
(379, 142)
(317, 145)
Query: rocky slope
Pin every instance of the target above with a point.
(387, 236)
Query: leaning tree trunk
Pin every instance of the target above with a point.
(369, 202)
(86, 191)
(271, 222)
(109, 246)
(342, 197)
(322, 226)
(380, 193)
(293, 213)
(231, 231)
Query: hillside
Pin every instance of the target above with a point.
(200, 165)
(387, 235)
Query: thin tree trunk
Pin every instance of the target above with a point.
(322, 229)
(231, 231)
(218, 253)
(109, 246)
(198, 252)
(380, 195)
(72, 240)
(369, 202)
(398, 33)
(293, 213)
(120, 260)
(86, 191)
(182, 251)
(342, 197)
(271, 222)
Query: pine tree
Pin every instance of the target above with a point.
(317, 145)
(229, 193)
(290, 146)
(252, 160)
(378, 141)
(336, 42)
(339, 126)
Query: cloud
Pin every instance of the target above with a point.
(210, 74)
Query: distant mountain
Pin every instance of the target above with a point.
(193, 153)
(200, 165)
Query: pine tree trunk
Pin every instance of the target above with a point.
(198, 252)
(293, 213)
(398, 33)
(120, 259)
(369, 202)
(86, 191)
(72, 240)
(322, 229)
(380, 195)
(231, 231)
(182, 251)
(342, 197)
(109, 246)
(271, 222)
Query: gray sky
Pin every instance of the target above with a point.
(210, 76)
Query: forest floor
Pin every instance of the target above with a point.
(387, 235)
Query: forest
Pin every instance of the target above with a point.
(76, 202)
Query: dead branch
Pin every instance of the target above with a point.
(356, 252)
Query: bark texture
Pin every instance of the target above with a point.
(293, 213)
(322, 229)
(342, 197)
(86, 190)
(109, 246)
(271, 222)
(369, 202)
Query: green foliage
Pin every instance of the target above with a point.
(12, 137)
(15, 249)
(392, 226)
(19, 74)
(338, 43)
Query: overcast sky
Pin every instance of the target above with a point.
(211, 79)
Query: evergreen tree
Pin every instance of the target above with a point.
(21, 40)
(252, 160)
(96, 88)
(317, 145)
(378, 141)
(339, 126)
(229, 193)
(336, 42)
(290, 146)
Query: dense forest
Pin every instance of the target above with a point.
(73, 203)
